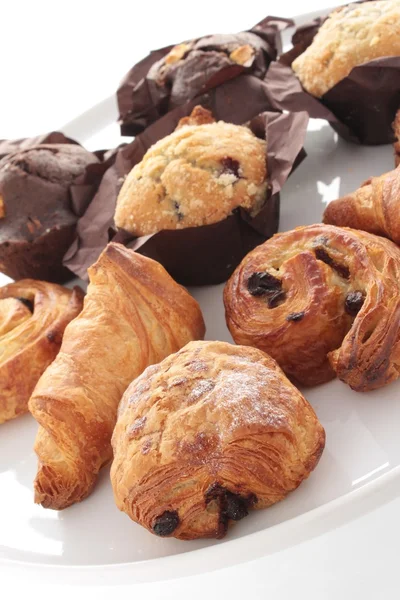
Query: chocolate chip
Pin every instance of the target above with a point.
(54, 337)
(236, 507)
(230, 166)
(262, 283)
(342, 270)
(265, 284)
(166, 523)
(353, 303)
(295, 316)
(177, 207)
(27, 303)
(231, 506)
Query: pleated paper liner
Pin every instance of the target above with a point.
(360, 107)
(145, 94)
(206, 254)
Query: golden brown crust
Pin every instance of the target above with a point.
(321, 300)
(134, 315)
(29, 341)
(374, 207)
(396, 145)
(198, 116)
(195, 176)
(351, 36)
(207, 434)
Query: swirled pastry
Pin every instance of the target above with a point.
(322, 301)
(134, 315)
(207, 434)
(351, 36)
(33, 316)
(374, 207)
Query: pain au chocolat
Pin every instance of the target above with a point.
(208, 434)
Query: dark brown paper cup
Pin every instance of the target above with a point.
(207, 254)
(360, 107)
(143, 98)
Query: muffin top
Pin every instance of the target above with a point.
(34, 188)
(195, 176)
(351, 36)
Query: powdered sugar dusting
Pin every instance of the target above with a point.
(202, 387)
(245, 398)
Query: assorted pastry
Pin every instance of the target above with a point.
(33, 317)
(208, 434)
(324, 302)
(196, 176)
(198, 190)
(200, 433)
(374, 207)
(44, 189)
(171, 76)
(351, 36)
(346, 69)
(134, 315)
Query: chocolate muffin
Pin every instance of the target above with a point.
(37, 218)
(171, 76)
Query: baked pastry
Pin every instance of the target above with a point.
(207, 434)
(396, 145)
(195, 176)
(134, 315)
(351, 36)
(374, 207)
(33, 316)
(37, 219)
(53, 137)
(171, 76)
(322, 301)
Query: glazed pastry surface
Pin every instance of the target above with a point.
(351, 36)
(207, 434)
(323, 301)
(195, 176)
(134, 315)
(33, 316)
(374, 207)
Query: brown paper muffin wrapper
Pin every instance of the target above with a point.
(143, 98)
(206, 254)
(361, 107)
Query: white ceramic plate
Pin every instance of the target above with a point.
(362, 453)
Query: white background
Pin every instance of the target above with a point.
(60, 58)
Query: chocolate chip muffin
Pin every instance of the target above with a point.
(37, 218)
(351, 36)
(198, 175)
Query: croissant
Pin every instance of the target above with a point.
(209, 433)
(374, 207)
(322, 301)
(33, 316)
(134, 315)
